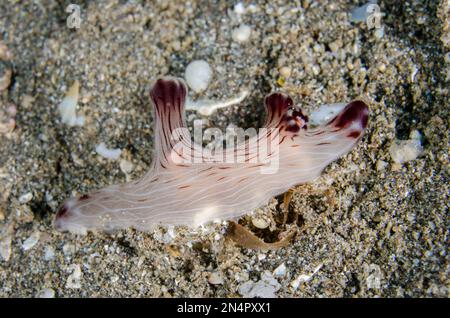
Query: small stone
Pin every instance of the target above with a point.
(239, 8)
(300, 279)
(280, 270)
(24, 214)
(374, 276)
(111, 154)
(5, 246)
(46, 293)
(382, 68)
(335, 46)
(198, 74)
(381, 165)
(281, 81)
(30, 242)
(285, 71)
(264, 288)
(67, 107)
(303, 278)
(49, 253)
(215, 278)
(402, 151)
(260, 223)
(25, 198)
(261, 256)
(115, 279)
(126, 166)
(379, 33)
(5, 78)
(74, 279)
(315, 69)
(68, 249)
(242, 33)
(5, 53)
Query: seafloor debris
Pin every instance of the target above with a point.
(266, 287)
(5, 77)
(112, 154)
(402, 151)
(198, 74)
(46, 293)
(5, 69)
(5, 241)
(67, 108)
(5, 53)
(242, 33)
(303, 278)
(206, 107)
(31, 241)
(244, 238)
(8, 119)
(74, 279)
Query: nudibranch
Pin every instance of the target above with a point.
(187, 185)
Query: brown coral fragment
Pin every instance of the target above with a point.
(5, 79)
(244, 238)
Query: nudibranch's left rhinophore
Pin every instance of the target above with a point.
(187, 185)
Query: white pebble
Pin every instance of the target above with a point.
(381, 165)
(74, 279)
(260, 223)
(30, 242)
(242, 33)
(215, 278)
(379, 33)
(239, 8)
(25, 198)
(107, 153)
(303, 278)
(49, 253)
(360, 14)
(264, 288)
(68, 249)
(198, 74)
(402, 151)
(285, 71)
(67, 108)
(280, 270)
(46, 293)
(126, 166)
(5, 247)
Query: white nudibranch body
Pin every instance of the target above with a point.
(188, 185)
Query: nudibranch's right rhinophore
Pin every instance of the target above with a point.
(188, 186)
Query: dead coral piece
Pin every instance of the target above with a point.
(5, 78)
(244, 238)
(7, 119)
(5, 53)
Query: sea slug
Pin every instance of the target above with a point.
(187, 185)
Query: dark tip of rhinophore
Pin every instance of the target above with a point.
(278, 101)
(61, 214)
(84, 197)
(354, 111)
